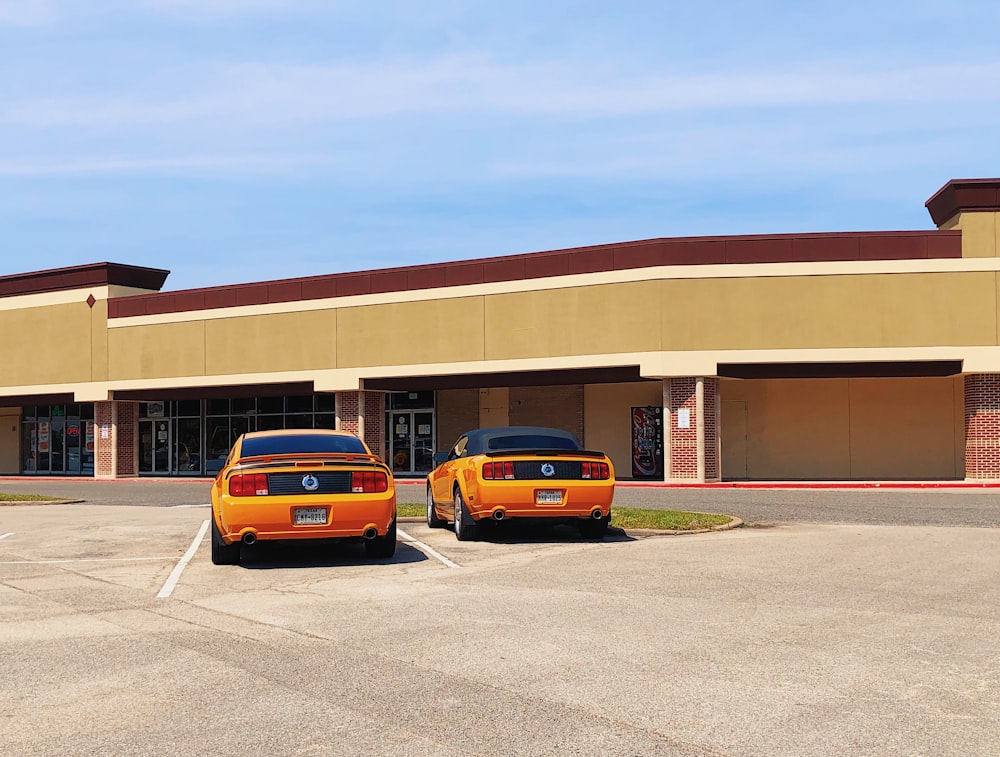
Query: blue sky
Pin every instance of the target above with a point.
(244, 140)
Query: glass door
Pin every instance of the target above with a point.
(154, 446)
(74, 461)
(411, 445)
(401, 449)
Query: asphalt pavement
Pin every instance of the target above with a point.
(970, 507)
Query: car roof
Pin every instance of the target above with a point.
(480, 437)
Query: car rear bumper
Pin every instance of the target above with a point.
(522, 501)
(274, 519)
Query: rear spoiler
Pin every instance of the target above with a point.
(309, 459)
(545, 452)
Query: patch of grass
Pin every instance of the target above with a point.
(410, 510)
(24, 498)
(668, 520)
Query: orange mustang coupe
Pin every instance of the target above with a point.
(520, 472)
(302, 484)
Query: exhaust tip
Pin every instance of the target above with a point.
(597, 515)
(249, 538)
(499, 515)
(370, 533)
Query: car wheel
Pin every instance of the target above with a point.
(382, 547)
(466, 528)
(222, 553)
(433, 521)
(595, 529)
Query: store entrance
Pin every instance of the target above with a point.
(411, 439)
(57, 443)
(154, 446)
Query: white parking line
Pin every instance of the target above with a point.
(174, 507)
(429, 551)
(175, 574)
(4, 536)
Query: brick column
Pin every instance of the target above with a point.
(363, 413)
(116, 439)
(692, 449)
(982, 426)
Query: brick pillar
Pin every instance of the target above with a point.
(693, 429)
(363, 413)
(116, 438)
(982, 426)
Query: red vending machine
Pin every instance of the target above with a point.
(647, 442)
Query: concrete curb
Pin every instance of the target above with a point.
(16, 502)
(733, 523)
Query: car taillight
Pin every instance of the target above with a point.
(595, 471)
(492, 471)
(369, 481)
(248, 485)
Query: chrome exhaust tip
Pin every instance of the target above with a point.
(499, 515)
(596, 515)
(370, 533)
(249, 538)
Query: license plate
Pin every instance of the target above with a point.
(310, 516)
(548, 498)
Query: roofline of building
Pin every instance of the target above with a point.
(960, 195)
(81, 277)
(746, 249)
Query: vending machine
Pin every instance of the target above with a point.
(647, 442)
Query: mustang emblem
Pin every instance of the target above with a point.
(310, 483)
(548, 469)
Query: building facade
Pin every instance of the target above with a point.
(828, 356)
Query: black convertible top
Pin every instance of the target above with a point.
(506, 438)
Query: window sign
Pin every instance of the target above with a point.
(43, 437)
(154, 409)
(89, 441)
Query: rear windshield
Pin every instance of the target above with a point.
(531, 441)
(294, 444)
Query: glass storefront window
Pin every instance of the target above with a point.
(244, 406)
(299, 404)
(270, 405)
(217, 407)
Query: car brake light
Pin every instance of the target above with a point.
(492, 471)
(595, 471)
(248, 485)
(369, 482)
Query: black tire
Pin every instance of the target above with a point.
(433, 521)
(222, 553)
(466, 529)
(382, 547)
(595, 529)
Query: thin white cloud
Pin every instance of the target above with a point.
(198, 164)
(266, 94)
(25, 13)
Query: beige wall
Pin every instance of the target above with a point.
(457, 412)
(10, 421)
(607, 418)
(52, 344)
(793, 312)
(907, 428)
(549, 406)
(980, 233)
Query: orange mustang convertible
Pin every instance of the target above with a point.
(302, 484)
(520, 472)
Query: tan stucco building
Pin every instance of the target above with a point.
(838, 356)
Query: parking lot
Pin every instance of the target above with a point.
(119, 636)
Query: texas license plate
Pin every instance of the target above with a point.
(310, 516)
(548, 498)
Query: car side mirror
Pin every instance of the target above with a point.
(440, 457)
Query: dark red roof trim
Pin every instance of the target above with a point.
(964, 194)
(81, 277)
(781, 248)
